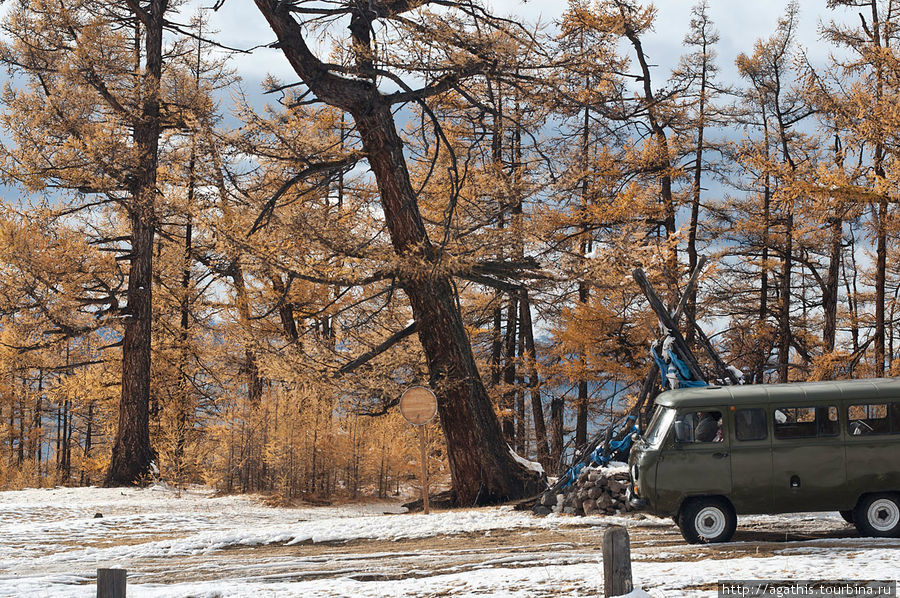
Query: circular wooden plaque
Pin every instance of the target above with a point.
(418, 405)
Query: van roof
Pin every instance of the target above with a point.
(710, 396)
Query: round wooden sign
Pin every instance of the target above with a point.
(418, 405)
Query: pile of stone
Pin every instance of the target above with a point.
(598, 491)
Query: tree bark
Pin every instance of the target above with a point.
(507, 407)
(880, 277)
(690, 312)
(556, 434)
(132, 453)
(537, 407)
(832, 281)
(784, 318)
(285, 309)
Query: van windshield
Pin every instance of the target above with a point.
(659, 425)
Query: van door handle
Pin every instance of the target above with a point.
(719, 455)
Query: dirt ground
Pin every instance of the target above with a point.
(379, 560)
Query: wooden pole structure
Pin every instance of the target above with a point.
(668, 323)
(616, 562)
(418, 406)
(424, 459)
(111, 583)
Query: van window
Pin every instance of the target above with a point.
(895, 418)
(699, 426)
(869, 418)
(805, 422)
(659, 425)
(827, 420)
(750, 424)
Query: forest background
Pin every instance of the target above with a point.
(201, 284)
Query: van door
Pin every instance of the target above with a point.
(696, 460)
(751, 461)
(807, 457)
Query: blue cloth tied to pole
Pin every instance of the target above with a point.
(602, 455)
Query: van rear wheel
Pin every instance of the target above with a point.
(878, 515)
(847, 515)
(707, 520)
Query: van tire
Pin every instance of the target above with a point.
(847, 515)
(878, 515)
(707, 520)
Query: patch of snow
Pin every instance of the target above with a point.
(171, 543)
(615, 467)
(532, 465)
(737, 374)
(635, 593)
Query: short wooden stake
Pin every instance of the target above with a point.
(111, 583)
(616, 562)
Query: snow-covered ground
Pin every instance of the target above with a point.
(195, 544)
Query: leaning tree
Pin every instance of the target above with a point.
(440, 51)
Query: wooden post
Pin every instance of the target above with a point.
(418, 406)
(111, 583)
(424, 458)
(616, 562)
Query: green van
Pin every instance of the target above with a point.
(711, 453)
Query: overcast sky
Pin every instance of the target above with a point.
(740, 23)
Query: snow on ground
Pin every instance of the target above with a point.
(195, 544)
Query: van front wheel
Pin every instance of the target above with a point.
(878, 515)
(707, 520)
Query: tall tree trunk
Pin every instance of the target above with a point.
(497, 161)
(507, 406)
(581, 405)
(480, 464)
(88, 438)
(537, 407)
(690, 312)
(251, 369)
(663, 162)
(784, 318)
(763, 355)
(832, 278)
(880, 282)
(132, 452)
(557, 406)
(521, 438)
(285, 309)
(37, 422)
(881, 211)
(852, 293)
(832, 282)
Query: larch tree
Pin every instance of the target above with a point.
(89, 119)
(482, 468)
(783, 158)
(859, 91)
(696, 74)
